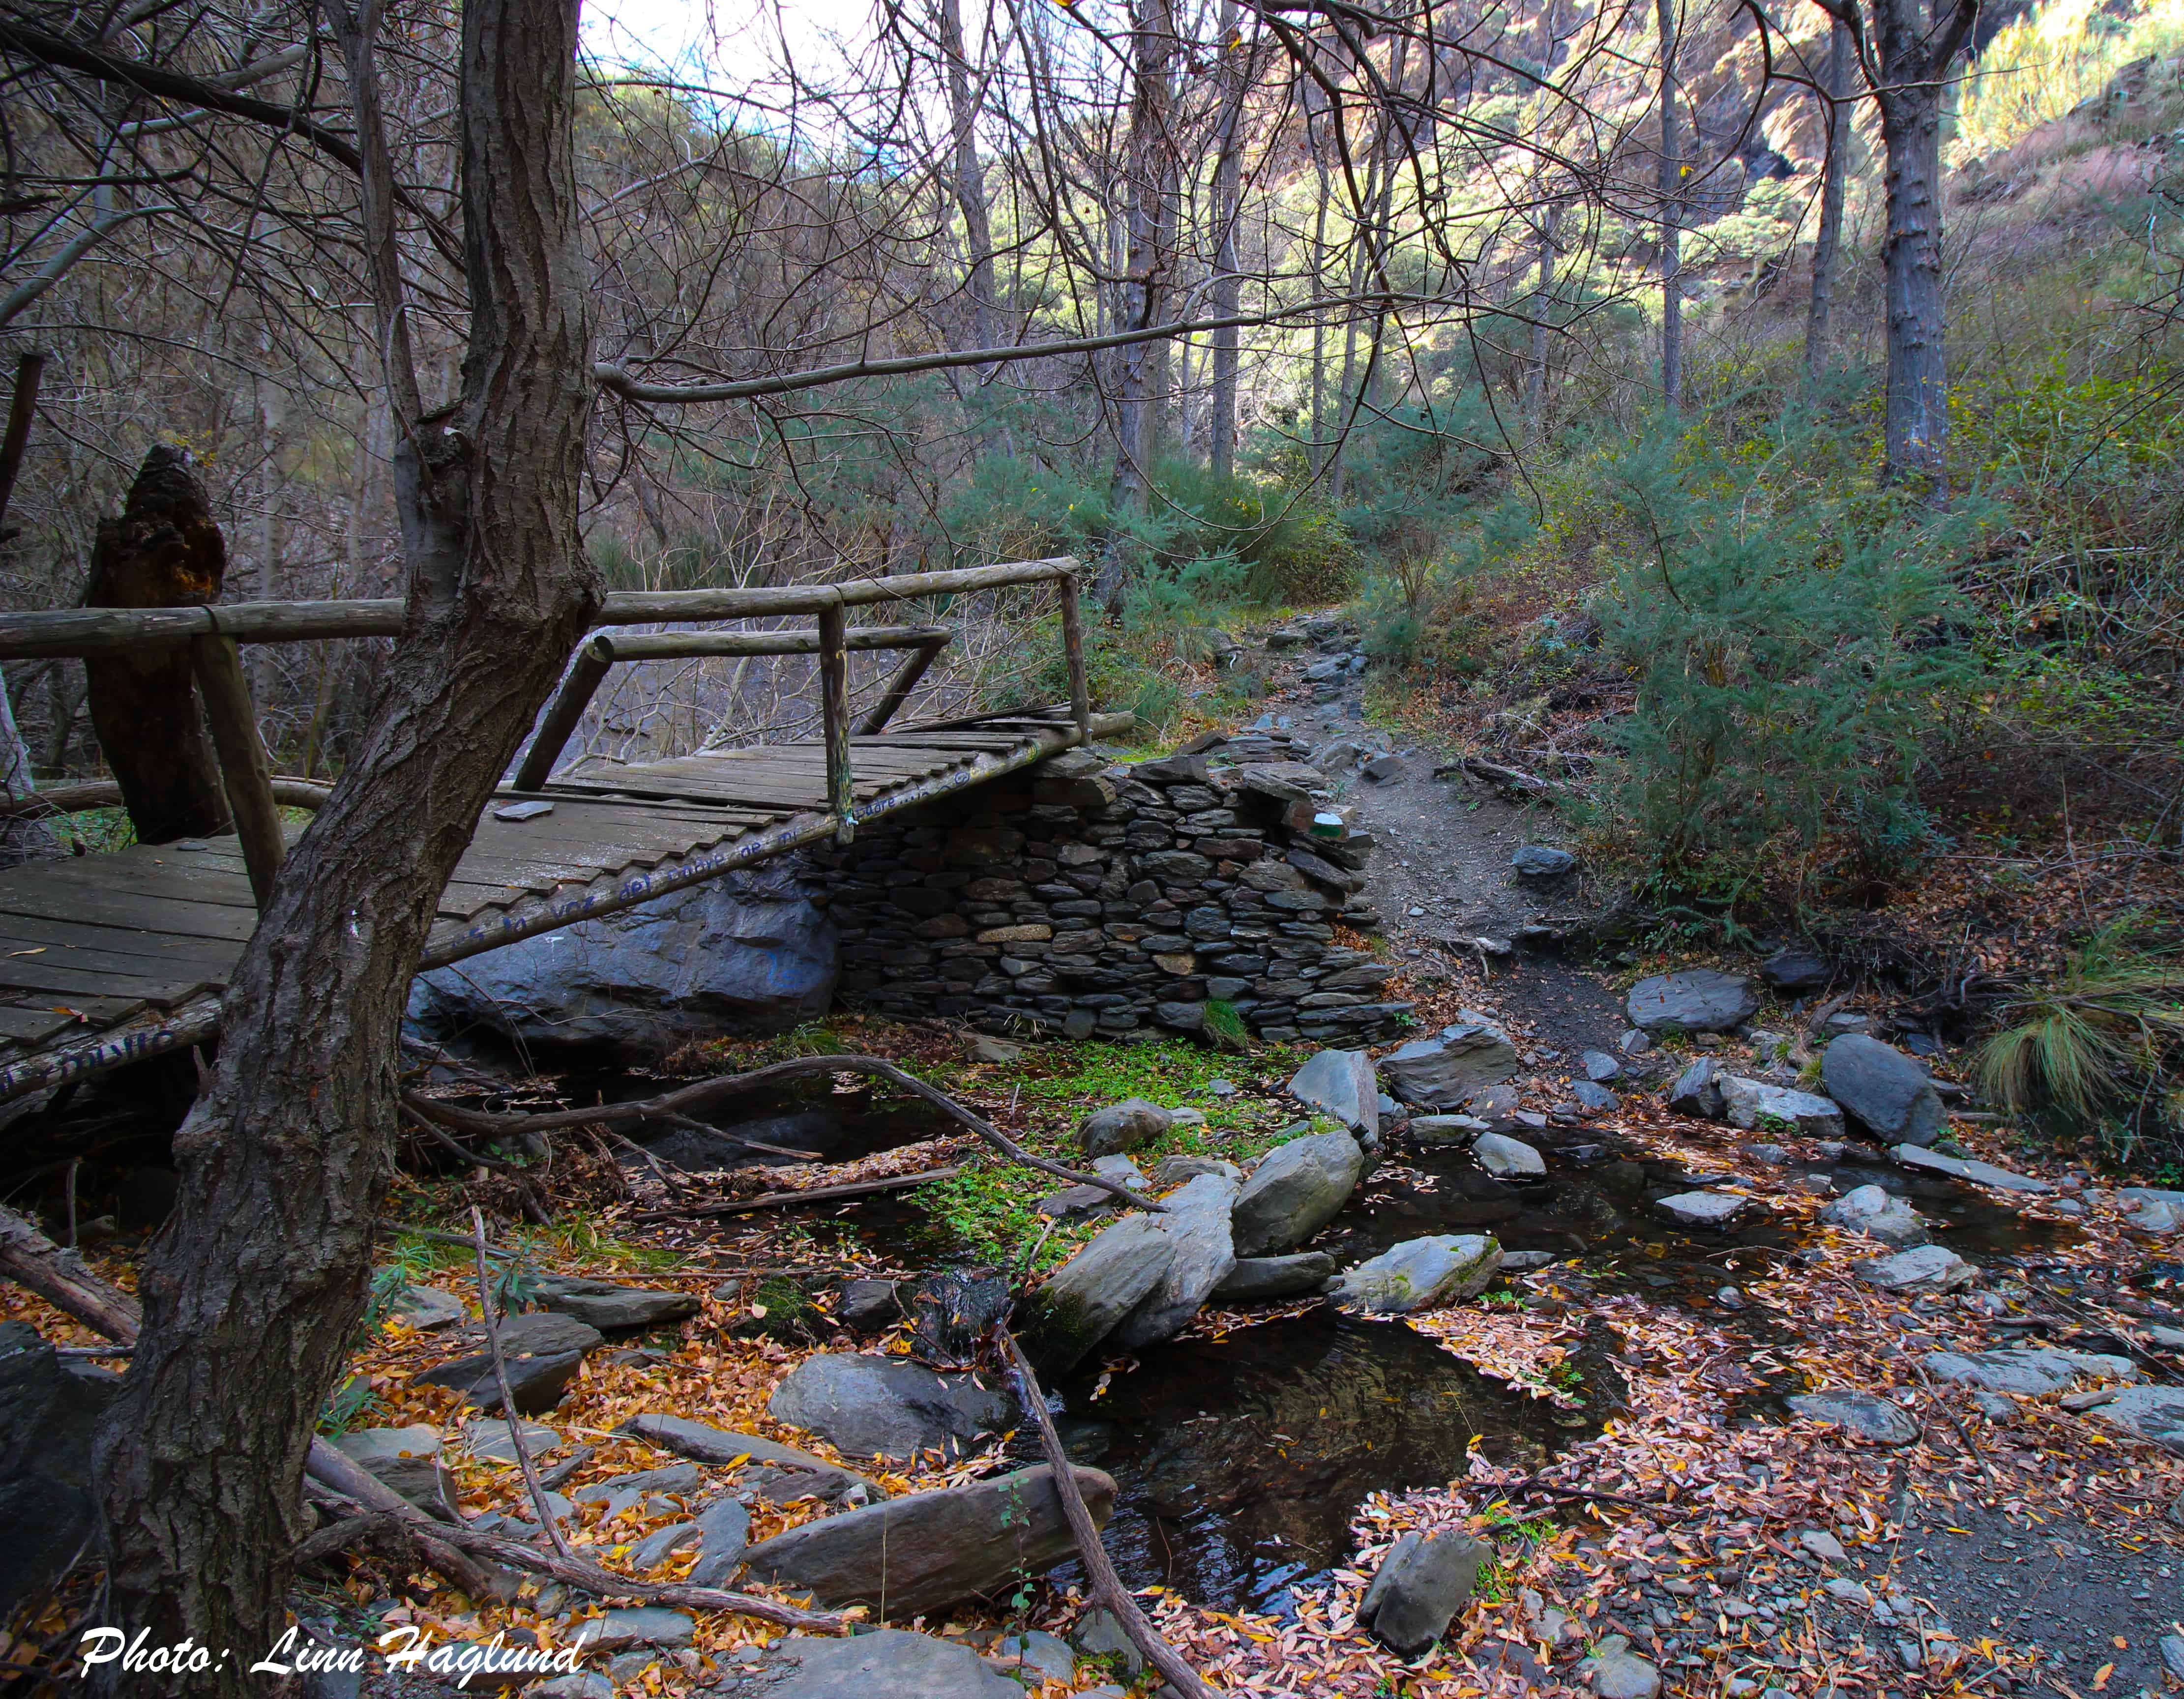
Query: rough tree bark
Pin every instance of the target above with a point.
(163, 552)
(1906, 60)
(970, 179)
(251, 1291)
(1671, 189)
(1227, 281)
(1833, 172)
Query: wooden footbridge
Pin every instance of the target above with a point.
(106, 959)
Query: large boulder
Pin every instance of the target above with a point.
(1695, 999)
(1121, 1127)
(1419, 1587)
(1340, 1083)
(1296, 1189)
(1255, 1279)
(1444, 1072)
(1089, 1294)
(1751, 1103)
(893, 1663)
(747, 952)
(927, 1551)
(877, 1407)
(1882, 1090)
(1198, 1223)
(48, 1409)
(1418, 1274)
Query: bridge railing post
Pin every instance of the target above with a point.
(1072, 649)
(834, 714)
(899, 688)
(564, 713)
(245, 772)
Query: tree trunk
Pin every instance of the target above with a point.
(1918, 412)
(1543, 295)
(970, 180)
(163, 552)
(1671, 187)
(251, 1291)
(1228, 284)
(1832, 175)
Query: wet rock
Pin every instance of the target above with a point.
(1419, 1587)
(1542, 861)
(2027, 1373)
(1794, 970)
(746, 952)
(1198, 1224)
(1871, 1211)
(926, 1551)
(1926, 1268)
(1090, 1294)
(1121, 1127)
(873, 1306)
(2152, 1412)
(543, 1351)
(874, 1407)
(1444, 1071)
(427, 1308)
(1446, 1129)
(1615, 1671)
(1961, 1168)
(1418, 1274)
(1752, 1103)
(1860, 1412)
(1882, 1090)
(1696, 1000)
(1256, 1279)
(609, 1307)
(1296, 1189)
(1698, 1091)
(953, 1314)
(1507, 1158)
(407, 1461)
(1340, 1083)
(1707, 1212)
(723, 1533)
(1043, 1654)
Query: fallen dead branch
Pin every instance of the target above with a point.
(856, 1189)
(1515, 779)
(546, 1517)
(683, 1099)
(1107, 1589)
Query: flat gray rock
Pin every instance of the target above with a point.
(877, 1407)
(541, 1352)
(1878, 1214)
(1255, 1279)
(609, 1308)
(1340, 1083)
(1615, 1671)
(645, 1625)
(704, 1445)
(1088, 1296)
(1446, 1072)
(2028, 1373)
(1198, 1224)
(1507, 1158)
(1706, 1210)
(1882, 1090)
(1926, 1268)
(893, 1663)
(1419, 1587)
(488, 1437)
(1418, 1274)
(1964, 1168)
(723, 1532)
(926, 1551)
(1860, 1412)
(1296, 1189)
(1601, 1067)
(2152, 1412)
(1694, 999)
(1446, 1129)
(427, 1309)
(1753, 1103)
(1794, 970)
(407, 1460)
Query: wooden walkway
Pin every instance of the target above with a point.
(110, 959)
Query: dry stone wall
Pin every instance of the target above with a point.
(1088, 895)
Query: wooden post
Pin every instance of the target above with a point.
(564, 713)
(899, 686)
(834, 711)
(244, 771)
(1072, 647)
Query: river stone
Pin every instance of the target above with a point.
(1591, 1095)
(1083, 1300)
(746, 952)
(1446, 1129)
(1882, 1090)
(1197, 1222)
(873, 1306)
(1340, 1083)
(877, 1407)
(2152, 1412)
(704, 1445)
(1871, 1211)
(926, 1551)
(1296, 1189)
(2027, 1373)
(2153, 1209)
(1541, 862)
(1507, 1158)
(542, 1352)
(609, 1307)
(488, 1437)
(407, 1460)
(1121, 1127)
(644, 1626)
(1418, 1274)
(1601, 1067)
(1963, 1168)
(723, 1532)
(1445, 1071)
(1860, 1412)
(1616, 1672)
(427, 1308)
(1706, 1210)
(1750, 1102)
(1255, 1278)
(1695, 999)
(893, 1663)
(1794, 970)
(1419, 1587)
(1925, 1268)
(1698, 1091)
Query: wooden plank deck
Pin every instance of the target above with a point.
(107, 959)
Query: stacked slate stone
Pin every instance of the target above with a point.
(1089, 896)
